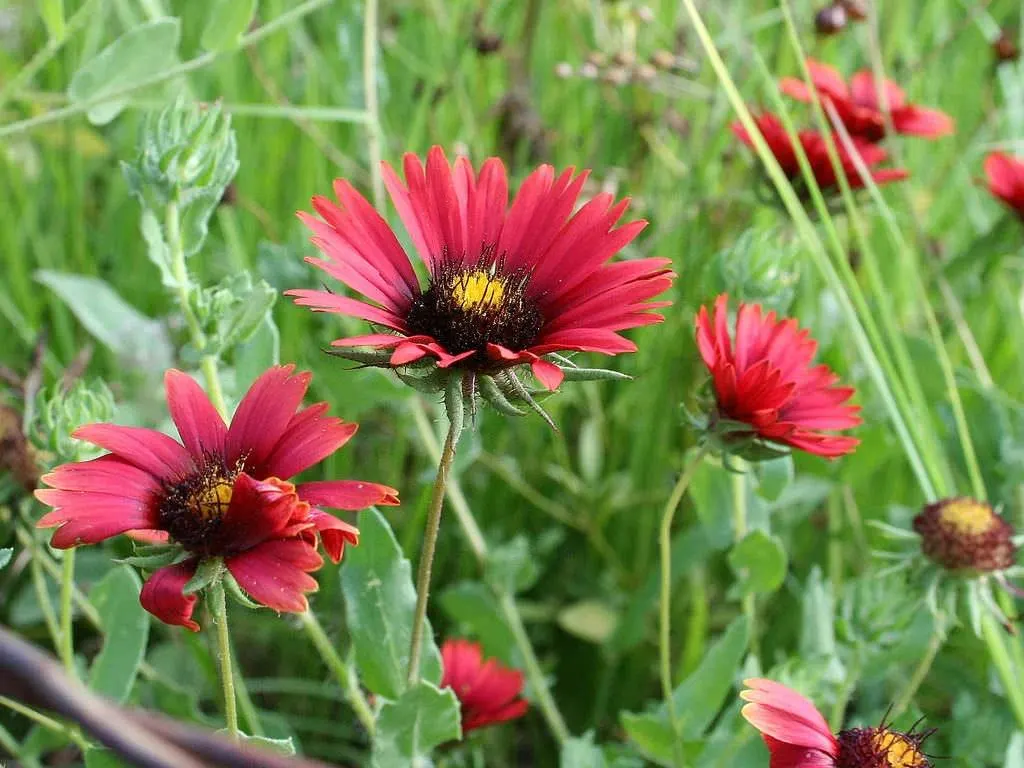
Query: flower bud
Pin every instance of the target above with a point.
(563, 70)
(856, 10)
(963, 534)
(64, 411)
(1005, 48)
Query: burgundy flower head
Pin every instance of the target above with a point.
(1005, 175)
(506, 285)
(797, 735)
(221, 492)
(764, 380)
(816, 149)
(488, 693)
(859, 105)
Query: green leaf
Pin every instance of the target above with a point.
(817, 629)
(227, 22)
(136, 56)
(651, 734)
(591, 620)
(5, 556)
(759, 562)
(125, 626)
(52, 12)
(280, 746)
(137, 340)
(409, 728)
(510, 568)
(261, 351)
(774, 475)
(103, 758)
(581, 752)
(379, 602)
(473, 605)
(711, 493)
(156, 246)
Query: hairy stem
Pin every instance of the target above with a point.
(427, 553)
(665, 614)
(346, 677)
(67, 584)
(215, 595)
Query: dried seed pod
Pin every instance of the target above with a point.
(663, 59)
(624, 58)
(830, 20)
(1005, 47)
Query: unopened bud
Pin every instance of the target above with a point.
(1005, 47)
(616, 76)
(589, 70)
(645, 73)
(624, 58)
(663, 59)
(563, 70)
(830, 20)
(64, 411)
(597, 58)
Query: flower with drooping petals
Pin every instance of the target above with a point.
(815, 148)
(859, 105)
(507, 285)
(222, 492)
(765, 386)
(488, 693)
(1005, 175)
(797, 735)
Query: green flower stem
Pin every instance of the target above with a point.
(67, 585)
(373, 132)
(665, 613)
(740, 530)
(45, 604)
(346, 677)
(215, 598)
(172, 231)
(510, 611)
(208, 365)
(444, 467)
(1012, 687)
(47, 722)
(921, 670)
(542, 693)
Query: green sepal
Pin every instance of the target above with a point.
(593, 374)
(232, 590)
(434, 380)
(491, 392)
(511, 384)
(152, 562)
(375, 357)
(209, 570)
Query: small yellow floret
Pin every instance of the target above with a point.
(967, 516)
(899, 751)
(478, 291)
(213, 501)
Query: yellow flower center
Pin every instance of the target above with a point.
(967, 516)
(211, 502)
(899, 751)
(478, 291)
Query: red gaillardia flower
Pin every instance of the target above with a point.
(220, 493)
(797, 735)
(815, 147)
(506, 285)
(859, 105)
(1005, 175)
(488, 693)
(765, 386)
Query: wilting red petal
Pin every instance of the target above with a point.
(163, 597)
(275, 573)
(147, 449)
(347, 494)
(765, 379)
(488, 692)
(200, 427)
(334, 533)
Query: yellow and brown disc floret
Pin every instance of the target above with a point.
(964, 534)
(881, 748)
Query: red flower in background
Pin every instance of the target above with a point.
(488, 693)
(1005, 175)
(221, 492)
(797, 735)
(506, 284)
(816, 149)
(859, 105)
(765, 380)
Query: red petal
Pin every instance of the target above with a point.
(259, 510)
(274, 573)
(334, 533)
(548, 374)
(162, 595)
(921, 121)
(827, 80)
(89, 517)
(264, 413)
(324, 301)
(147, 449)
(789, 756)
(863, 91)
(309, 438)
(102, 475)
(347, 494)
(200, 427)
(785, 715)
